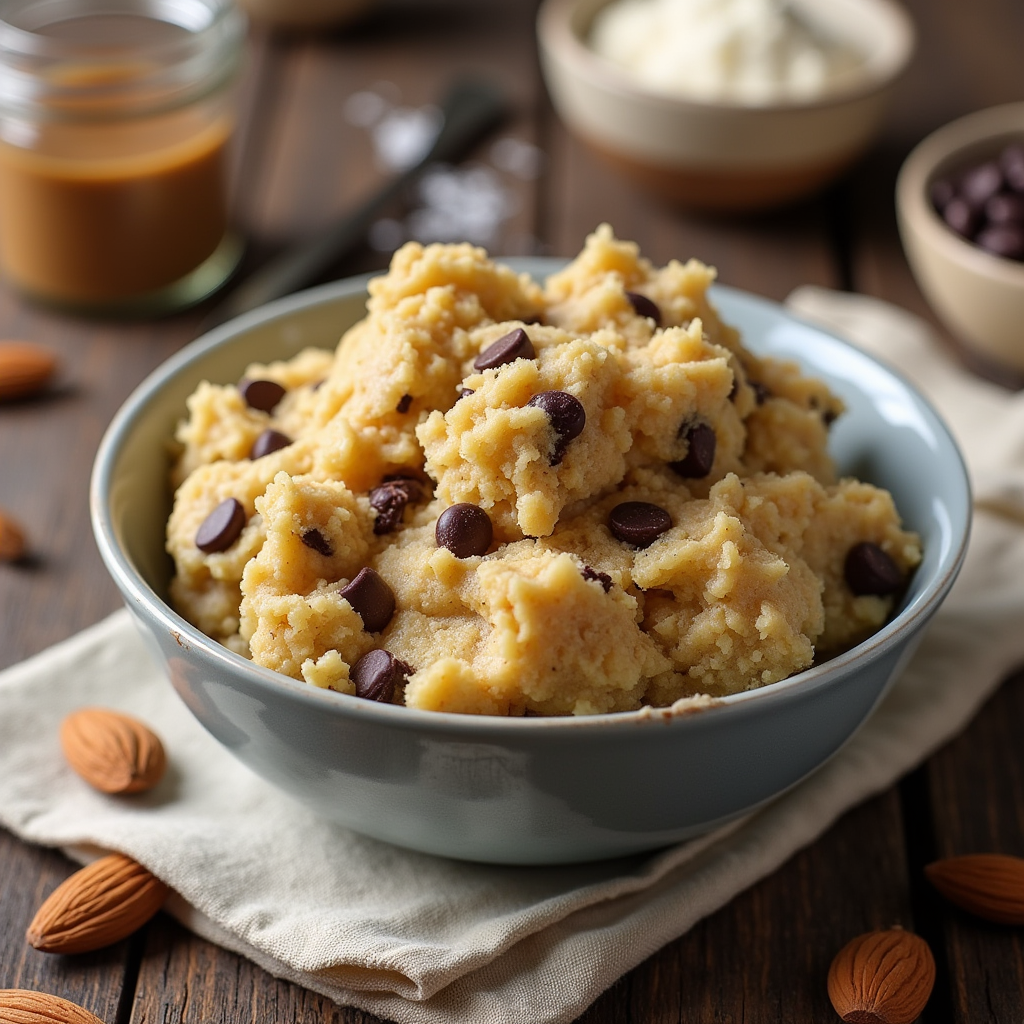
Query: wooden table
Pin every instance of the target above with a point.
(300, 160)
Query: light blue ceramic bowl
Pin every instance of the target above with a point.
(528, 790)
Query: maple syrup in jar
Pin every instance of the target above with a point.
(115, 117)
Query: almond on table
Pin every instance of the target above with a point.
(12, 539)
(25, 368)
(97, 906)
(882, 977)
(23, 1006)
(112, 751)
(988, 885)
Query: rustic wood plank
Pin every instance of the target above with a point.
(47, 447)
(320, 164)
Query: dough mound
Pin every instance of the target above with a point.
(578, 604)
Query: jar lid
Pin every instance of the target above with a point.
(108, 59)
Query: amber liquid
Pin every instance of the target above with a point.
(96, 213)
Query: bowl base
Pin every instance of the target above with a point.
(724, 190)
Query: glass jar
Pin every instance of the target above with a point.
(115, 116)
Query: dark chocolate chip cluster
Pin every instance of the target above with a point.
(390, 498)
(985, 203)
(263, 395)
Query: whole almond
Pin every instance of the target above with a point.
(12, 539)
(25, 368)
(22, 1006)
(990, 885)
(112, 751)
(882, 977)
(101, 904)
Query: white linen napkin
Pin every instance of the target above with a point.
(422, 940)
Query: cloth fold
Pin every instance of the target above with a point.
(422, 940)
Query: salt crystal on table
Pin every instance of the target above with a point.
(516, 157)
(404, 135)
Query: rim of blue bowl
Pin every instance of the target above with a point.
(755, 701)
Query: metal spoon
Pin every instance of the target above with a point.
(470, 109)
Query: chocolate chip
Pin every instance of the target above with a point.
(318, 542)
(602, 577)
(220, 529)
(464, 530)
(269, 441)
(829, 416)
(463, 392)
(980, 183)
(261, 394)
(988, 207)
(1005, 208)
(372, 599)
(869, 570)
(377, 673)
(403, 403)
(567, 417)
(644, 306)
(508, 348)
(639, 523)
(960, 216)
(389, 501)
(1003, 240)
(700, 454)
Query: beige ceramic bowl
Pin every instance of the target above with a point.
(980, 297)
(724, 156)
(304, 14)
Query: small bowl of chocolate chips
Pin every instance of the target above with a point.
(960, 205)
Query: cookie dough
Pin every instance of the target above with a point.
(497, 498)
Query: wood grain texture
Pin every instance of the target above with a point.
(47, 447)
(318, 160)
